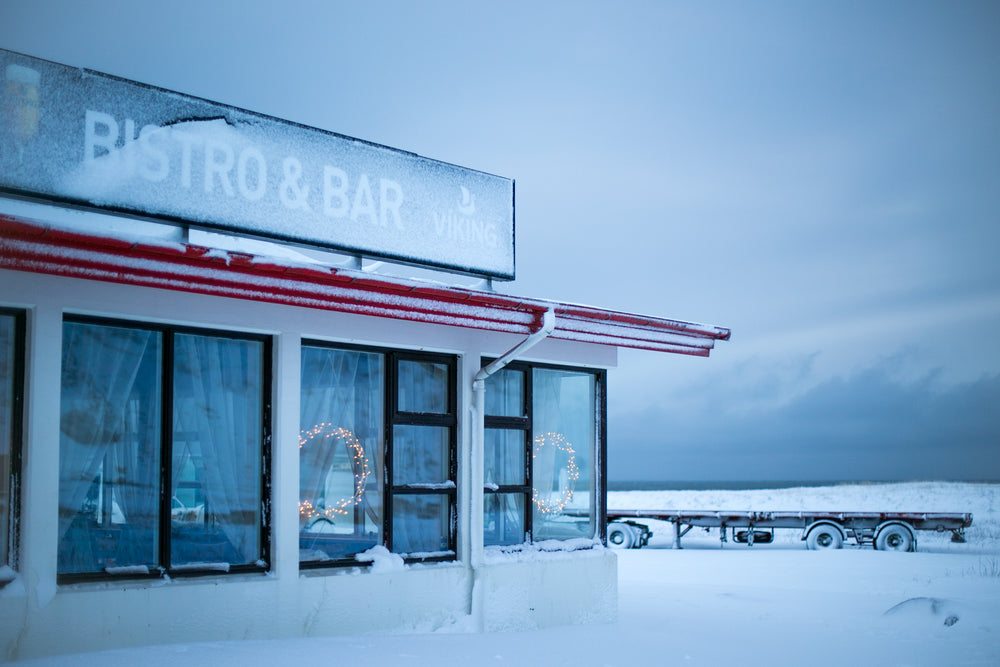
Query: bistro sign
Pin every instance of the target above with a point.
(76, 136)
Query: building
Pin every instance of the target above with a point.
(202, 444)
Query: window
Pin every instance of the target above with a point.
(163, 460)
(376, 454)
(11, 396)
(544, 434)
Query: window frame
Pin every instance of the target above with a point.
(166, 431)
(11, 558)
(525, 424)
(393, 416)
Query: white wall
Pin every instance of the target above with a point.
(37, 617)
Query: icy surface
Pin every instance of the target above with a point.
(773, 604)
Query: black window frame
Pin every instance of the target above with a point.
(393, 416)
(19, 316)
(168, 331)
(525, 425)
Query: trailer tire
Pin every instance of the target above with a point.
(824, 536)
(895, 536)
(620, 536)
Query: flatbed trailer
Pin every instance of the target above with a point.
(889, 531)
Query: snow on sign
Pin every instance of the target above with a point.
(76, 136)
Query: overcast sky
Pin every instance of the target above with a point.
(823, 178)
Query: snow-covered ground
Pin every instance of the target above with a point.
(772, 604)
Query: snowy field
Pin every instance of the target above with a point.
(708, 604)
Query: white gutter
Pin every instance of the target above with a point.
(476, 602)
(548, 325)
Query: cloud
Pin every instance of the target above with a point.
(864, 427)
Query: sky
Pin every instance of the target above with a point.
(821, 178)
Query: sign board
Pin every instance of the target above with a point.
(75, 136)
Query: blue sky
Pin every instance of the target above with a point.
(822, 178)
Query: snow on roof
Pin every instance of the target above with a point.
(27, 245)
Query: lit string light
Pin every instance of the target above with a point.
(359, 463)
(572, 473)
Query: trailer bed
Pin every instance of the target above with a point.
(820, 529)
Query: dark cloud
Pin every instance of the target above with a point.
(864, 427)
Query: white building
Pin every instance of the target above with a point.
(206, 444)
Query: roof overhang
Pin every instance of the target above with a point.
(31, 246)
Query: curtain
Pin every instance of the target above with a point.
(547, 422)
(340, 462)
(100, 366)
(134, 469)
(503, 457)
(505, 393)
(423, 386)
(564, 428)
(503, 514)
(420, 523)
(217, 439)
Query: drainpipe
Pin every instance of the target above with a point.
(476, 603)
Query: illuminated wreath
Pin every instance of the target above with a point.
(572, 473)
(359, 463)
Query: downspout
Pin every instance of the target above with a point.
(476, 603)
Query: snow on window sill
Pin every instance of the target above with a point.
(200, 567)
(7, 576)
(544, 550)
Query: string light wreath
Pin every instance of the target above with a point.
(359, 464)
(572, 473)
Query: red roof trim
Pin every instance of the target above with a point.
(34, 247)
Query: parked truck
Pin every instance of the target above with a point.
(886, 531)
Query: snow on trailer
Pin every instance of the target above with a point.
(886, 531)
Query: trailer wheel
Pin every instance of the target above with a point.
(895, 536)
(620, 536)
(824, 536)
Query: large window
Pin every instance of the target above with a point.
(163, 460)
(376, 454)
(544, 433)
(11, 393)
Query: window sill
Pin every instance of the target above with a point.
(544, 550)
(135, 577)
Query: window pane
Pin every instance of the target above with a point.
(503, 517)
(7, 361)
(563, 414)
(340, 453)
(505, 393)
(504, 456)
(109, 448)
(217, 451)
(423, 387)
(420, 454)
(420, 524)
